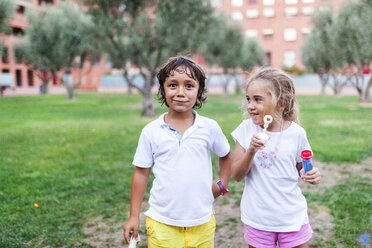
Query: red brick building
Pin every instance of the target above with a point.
(25, 76)
(279, 25)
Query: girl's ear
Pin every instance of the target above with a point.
(281, 106)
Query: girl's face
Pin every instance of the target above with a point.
(181, 91)
(259, 102)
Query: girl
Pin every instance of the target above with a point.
(273, 208)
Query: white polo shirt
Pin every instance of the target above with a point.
(181, 193)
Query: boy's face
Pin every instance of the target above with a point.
(181, 91)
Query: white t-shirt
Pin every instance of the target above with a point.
(272, 200)
(181, 193)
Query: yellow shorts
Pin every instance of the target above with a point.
(166, 236)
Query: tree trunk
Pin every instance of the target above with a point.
(366, 94)
(148, 106)
(70, 92)
(225, 83)
(148, 109)
(129, 82)
(44, 88)
(238, 84)
(337, 85)
(129, 90)
(324, 82)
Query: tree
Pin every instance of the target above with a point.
(227, 48)
(354, 35)
(341, 47)
(56, 41)
(223, 49)
(147, 33)
(113, 20)
(252, 55)
(7, 7)
(316, 53)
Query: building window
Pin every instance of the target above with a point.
(252, 13)
(5, 55)
(267, 33)
(268, 12)
(237, 3)
(251, 2)
(289, 58)
(305, 31)
(307, 10)
(251, 33)
(21, 10)
(291, 1)
(45, 2)
(96, 60)
(5, 71)
(30, 77)
(290, 34)
(19, 78)
(268, 2)
(236, 16)
(18, 31)
(291, 11)
(269, 58)
(216, 3)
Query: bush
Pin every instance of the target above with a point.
(293, 70)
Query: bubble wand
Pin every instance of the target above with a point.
(267, 120)
(133, 241)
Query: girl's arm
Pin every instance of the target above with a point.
(137, 191)
(225, 174)
(241, 162)
(312, 176)
(242, 159)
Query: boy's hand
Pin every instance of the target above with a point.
(131, 228)
(312, 176)
(216, 190)
(256, 144)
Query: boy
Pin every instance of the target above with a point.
(177, 146)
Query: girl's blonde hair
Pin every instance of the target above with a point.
(281, 88)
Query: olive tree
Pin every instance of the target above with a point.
(354, 35)
(7, 7)
(317, 55)
(227, 48)
(147, 33)
(56, 41)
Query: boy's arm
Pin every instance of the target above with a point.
(312, 176)
(225, 174)
(137, 191)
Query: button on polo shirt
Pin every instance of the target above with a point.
(181, 193)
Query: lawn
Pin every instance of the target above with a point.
(74, 159)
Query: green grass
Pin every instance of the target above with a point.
(350, 205)
(74, 158)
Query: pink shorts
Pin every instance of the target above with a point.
(264, 239)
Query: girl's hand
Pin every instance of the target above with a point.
(256, 144)
(312, 177)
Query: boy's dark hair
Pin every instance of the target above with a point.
(192, 69)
